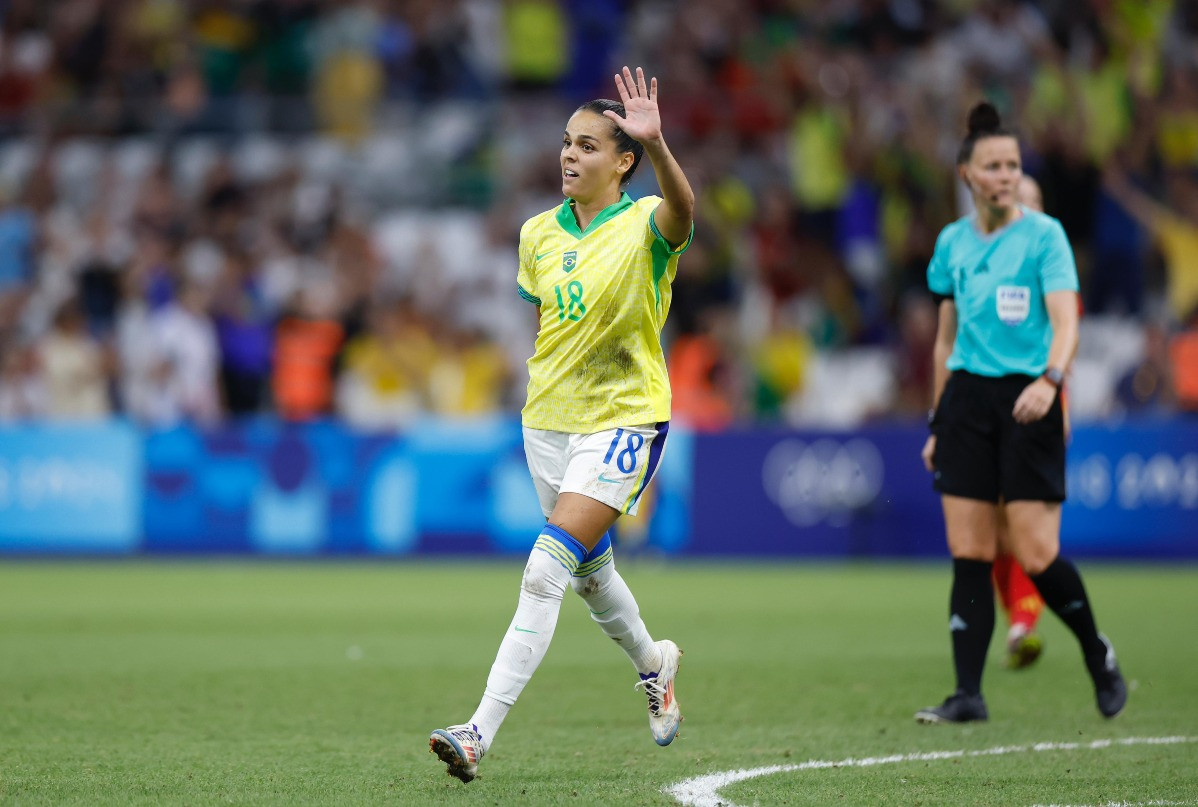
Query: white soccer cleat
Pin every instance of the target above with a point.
(664, 715)
(459, 747)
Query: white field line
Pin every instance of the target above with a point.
(703, 791)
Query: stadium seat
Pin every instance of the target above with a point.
(843, 388)
(260, 158)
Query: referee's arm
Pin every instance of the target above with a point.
(1036, 399)
(1062, 313)
(946, 339)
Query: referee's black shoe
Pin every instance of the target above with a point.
(1110, 690)
(957, 708)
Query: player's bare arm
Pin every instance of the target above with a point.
(642, 122)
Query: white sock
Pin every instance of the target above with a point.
(615, 610)
(550, 567)
(488, 717)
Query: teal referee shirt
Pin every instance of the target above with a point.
(998, 282)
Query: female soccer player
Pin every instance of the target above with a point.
(1007, 286)
(600, 268)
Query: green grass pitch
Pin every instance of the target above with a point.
(294, 683)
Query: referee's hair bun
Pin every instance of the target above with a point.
(983, 119)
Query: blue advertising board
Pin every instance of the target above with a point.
(445, 488)
(439, 488)
(268, 487)
(70, 488)
(825, 494)
(1133, 491)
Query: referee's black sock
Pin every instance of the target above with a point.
(1061, 587)
(971, 621)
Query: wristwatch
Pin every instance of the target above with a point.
(1054, 376)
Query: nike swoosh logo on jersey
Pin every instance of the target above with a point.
(543, 254)
(603, 478)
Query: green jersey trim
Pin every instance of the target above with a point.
(527, 296)
(661, 252)
(565, 215)
(681, 247)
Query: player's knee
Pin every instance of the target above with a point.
(588, 586)
(1036, 562)
(1036, 550)
(542, 576)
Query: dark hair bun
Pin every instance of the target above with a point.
(983, 119)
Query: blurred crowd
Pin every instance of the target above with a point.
(222, 208)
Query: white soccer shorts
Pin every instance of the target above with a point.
(613, 466)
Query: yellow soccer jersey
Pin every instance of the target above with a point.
(603, 295)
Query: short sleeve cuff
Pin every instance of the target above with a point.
(657, 234)
(525, 295)
(1061, 284)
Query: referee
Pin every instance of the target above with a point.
(1006, 286)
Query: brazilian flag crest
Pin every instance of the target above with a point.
(569, 261)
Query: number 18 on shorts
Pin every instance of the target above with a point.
(613, 466)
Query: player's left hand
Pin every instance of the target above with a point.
(1034, 402)
(642, 120)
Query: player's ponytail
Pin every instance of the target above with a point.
(623, 141)
(984, 121)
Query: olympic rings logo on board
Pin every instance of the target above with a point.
(825, 480)
(1136, 482)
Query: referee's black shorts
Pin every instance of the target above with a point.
(982, 453)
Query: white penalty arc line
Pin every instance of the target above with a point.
(703, 791)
